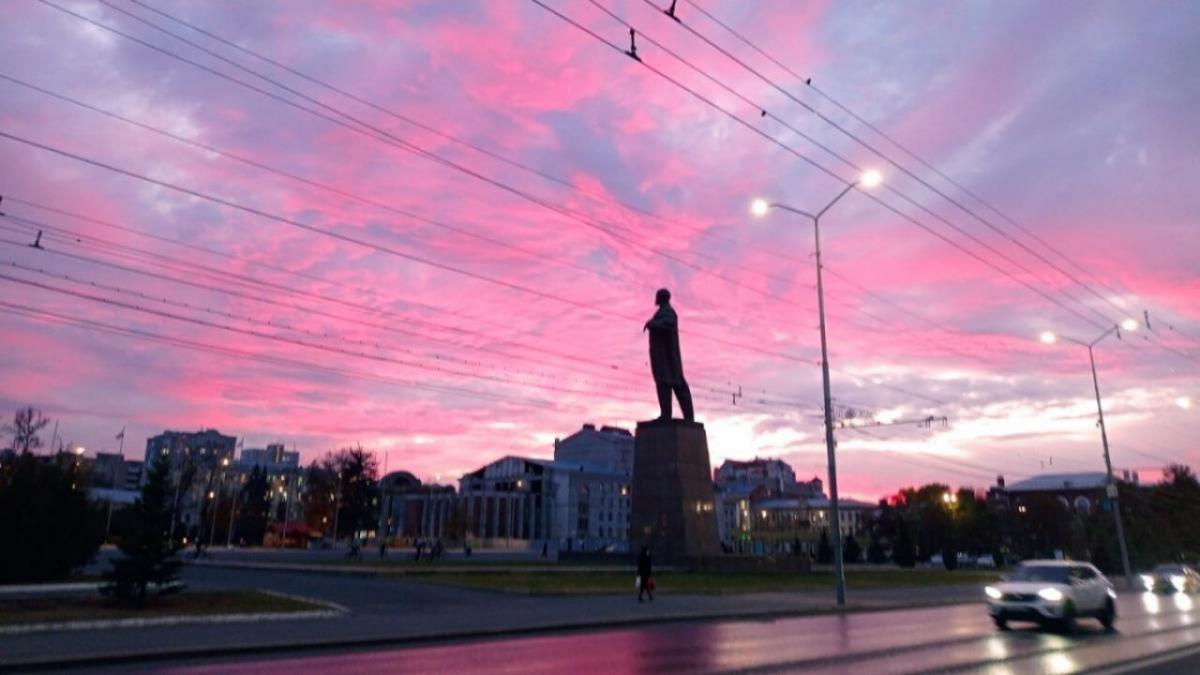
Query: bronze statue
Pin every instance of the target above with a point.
(666, 362)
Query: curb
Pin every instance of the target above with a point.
(400, 642)
(332, 610)
(400, 571)
(26, 589)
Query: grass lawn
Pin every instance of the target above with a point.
(684, 582)
(188, 603)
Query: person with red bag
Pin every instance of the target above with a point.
(645, 580)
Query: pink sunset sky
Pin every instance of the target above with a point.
(449, 257)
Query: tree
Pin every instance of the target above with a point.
(320, 498)
(903, 553)
(26, 424)
(147, 551)
(255, 504)
(852, 551)
(875, 552)
(949, 555)
(48, 528)
(824, 550)
(357, 472)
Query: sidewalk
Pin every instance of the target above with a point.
(398, 611)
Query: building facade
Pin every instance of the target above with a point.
(577, 501)
(200, 462)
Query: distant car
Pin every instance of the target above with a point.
(1172, 579)
(985, 561)
(1052, 593)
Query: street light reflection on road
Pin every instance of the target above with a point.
(1183, 602)
(1151, 603)
(1058, 662)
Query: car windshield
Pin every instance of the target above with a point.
(1056, 574)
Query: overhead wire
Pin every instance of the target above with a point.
(773, 251)
(1122, 311)
(891, 325)
(808, 81)
(374, 132)
(603, 369)
(771, 139)
(861, 142)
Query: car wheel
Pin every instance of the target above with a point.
(1001, 622)
(1109, 616)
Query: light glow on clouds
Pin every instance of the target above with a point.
(444, 372)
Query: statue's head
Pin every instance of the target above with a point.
(662, 297)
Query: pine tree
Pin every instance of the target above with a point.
(875, 554)
(824, 550)
(903, 552)
(852, 551)
(148, 554)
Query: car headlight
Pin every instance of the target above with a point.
(1111, 593)
(992, 593)
(1178, 581)
(1051, 594)
(1148, 582)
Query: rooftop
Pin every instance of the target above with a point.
(1093, 480)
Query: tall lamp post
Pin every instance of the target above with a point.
(1050, 338)
(760, 208)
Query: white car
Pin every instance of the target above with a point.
(1052, 592)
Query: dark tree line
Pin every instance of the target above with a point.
(1161, 522)
(48, 527)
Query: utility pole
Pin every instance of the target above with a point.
(121, 452)
(1112, 490)
(337, 509)
(232, 511)
(283, 539)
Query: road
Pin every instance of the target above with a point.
(958, 638)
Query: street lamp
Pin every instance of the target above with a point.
(760, 207)
(1111, 490)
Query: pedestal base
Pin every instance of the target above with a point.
(673, 510)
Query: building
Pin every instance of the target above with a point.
(274, 457)
(200, 462)
(774, 474)
(763, 510)
(201, 448)
(608, 447)
(111, 470)
(1081, 492)
(414, 511)
(765, 524)
(577, 501)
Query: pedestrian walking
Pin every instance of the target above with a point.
(645, 578)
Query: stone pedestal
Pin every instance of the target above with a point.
(673, 510)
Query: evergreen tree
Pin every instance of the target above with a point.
(949, 555)
(852, 551)
(48, 528)
(254, 513)
(148, 554)
(903, 553)
(824, 550)
(875, 553)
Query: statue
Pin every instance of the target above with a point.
(666, 363)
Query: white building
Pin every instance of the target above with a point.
(579, 501)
